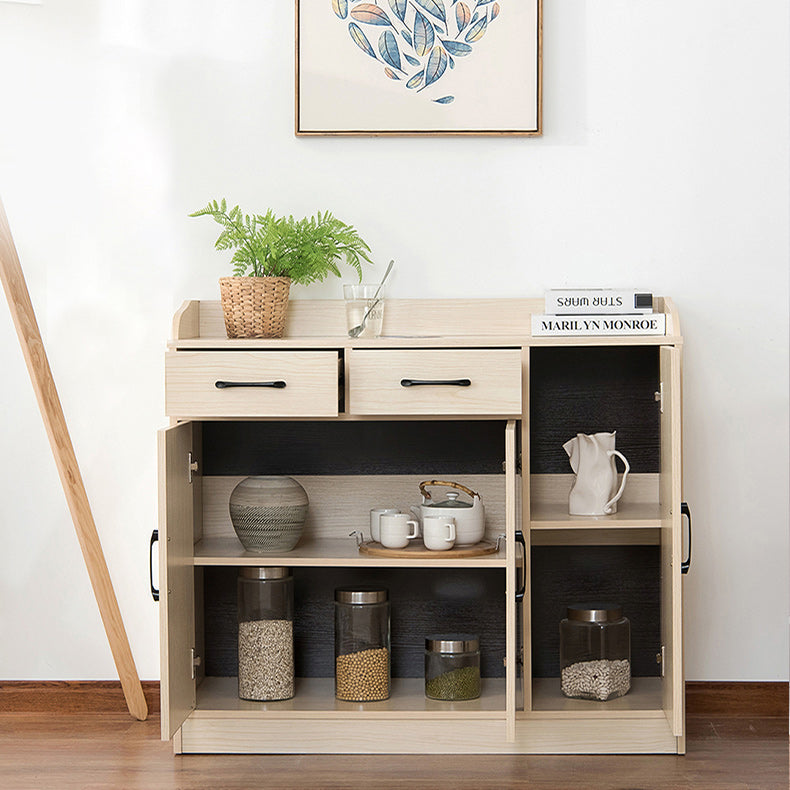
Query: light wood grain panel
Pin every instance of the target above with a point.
(176, 577)
(340, 504)
(391, 736)
(375, 382)
(511, 624)
(311, 384)
(407, 322)
(315, 697)
(34, 354)
(644, 699)
(332, 553)
(309, 318)
(671, 542)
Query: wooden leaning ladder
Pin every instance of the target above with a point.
(66, 461)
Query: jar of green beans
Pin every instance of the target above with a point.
(452, 667)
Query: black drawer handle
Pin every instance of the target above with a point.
(223, 385)
(685, 511)
(434, 383)
(154, 539)
(522, 588)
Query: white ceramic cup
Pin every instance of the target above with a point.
(375, 516)
(438, 532)
(397, 529)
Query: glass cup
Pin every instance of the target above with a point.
(363, 310)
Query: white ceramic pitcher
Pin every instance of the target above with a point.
(592, 459)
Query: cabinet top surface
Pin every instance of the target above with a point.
(408, 323)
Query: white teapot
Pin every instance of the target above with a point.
(470, 518)
(592, 459)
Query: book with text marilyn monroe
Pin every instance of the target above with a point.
(580, 325)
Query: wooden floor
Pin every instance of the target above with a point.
(103, 750)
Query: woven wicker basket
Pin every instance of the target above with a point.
(254, 306)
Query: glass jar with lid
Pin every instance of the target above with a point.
(362, 644)
(452, 667)
(595, 651)
(266, 647)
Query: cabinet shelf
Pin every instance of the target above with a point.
(643, 700)
(629, 515)
(328, 552)
(315, 698)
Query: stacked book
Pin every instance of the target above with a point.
(598, 311)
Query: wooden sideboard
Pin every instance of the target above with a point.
(355, 438)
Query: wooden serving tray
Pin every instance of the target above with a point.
(417, 550)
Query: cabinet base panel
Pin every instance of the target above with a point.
(206, 735)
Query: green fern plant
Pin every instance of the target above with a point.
(306, 250)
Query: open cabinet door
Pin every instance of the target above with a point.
(671, 540)
(176, 575)
(510, 581)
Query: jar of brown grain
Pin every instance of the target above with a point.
(362, 644)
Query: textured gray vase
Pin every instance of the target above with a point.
(268, 513)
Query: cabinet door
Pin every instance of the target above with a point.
(176, 575)
(671, 541)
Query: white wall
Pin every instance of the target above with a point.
(664, 164)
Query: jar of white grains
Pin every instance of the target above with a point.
(595, 651)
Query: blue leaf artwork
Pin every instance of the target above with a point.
(399, 8)
(370, 14)
(423, 35)
(388, 49)
(434, 7)
(420, 39)
(360, 40)
(437, 63)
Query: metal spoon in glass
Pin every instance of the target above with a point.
(360, 328)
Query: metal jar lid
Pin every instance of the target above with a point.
(595, 612)
(452, 643)
(361, 594)
(265, 573)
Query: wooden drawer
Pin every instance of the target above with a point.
(440, 381)
(251, 384)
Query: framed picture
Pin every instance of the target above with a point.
(418, 67)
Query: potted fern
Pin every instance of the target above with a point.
(271, 252)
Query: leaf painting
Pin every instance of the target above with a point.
(457, 48)
(423, 35)
(463, 16)
(388, 48)
(476, 32)
(434, 7)
(416, 80)
(418, 42)
(437, 63)
(360, 40)
(399, 8)
(370, 14)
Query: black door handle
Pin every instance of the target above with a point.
(522, 588)
(685, 511)
(223, 385)
(154, 539)
(436, 382)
